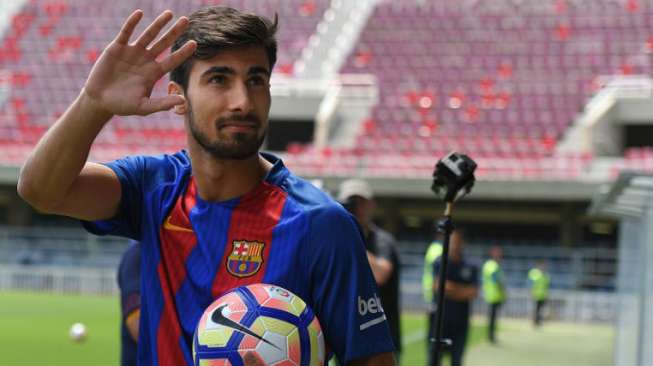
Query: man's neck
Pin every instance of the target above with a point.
(222, 179)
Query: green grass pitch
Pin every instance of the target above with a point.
(34, 331)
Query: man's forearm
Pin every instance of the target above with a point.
(60, 155)
(381, 268)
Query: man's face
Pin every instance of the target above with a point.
(364, 210)
(457, 243)
(228, 100)
(496, 253)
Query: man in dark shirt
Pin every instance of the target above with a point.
(129, 282)
(461, 287)
(357, 196)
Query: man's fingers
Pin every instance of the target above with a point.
(150, 33)
(128, 27)
(178, 57)
(170, 36)
(152, 105)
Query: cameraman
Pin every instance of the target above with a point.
(357, 197)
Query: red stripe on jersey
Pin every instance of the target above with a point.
(177, 241)
(252, 221)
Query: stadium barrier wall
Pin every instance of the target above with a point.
(61, 280)
(71, 261)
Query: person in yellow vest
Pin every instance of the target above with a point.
(433, 252)
(539, 281)
(494, 290)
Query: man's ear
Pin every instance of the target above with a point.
(174, 88)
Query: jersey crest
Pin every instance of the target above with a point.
(246, 258)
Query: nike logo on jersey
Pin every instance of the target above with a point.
(172, 227)
(219, 318)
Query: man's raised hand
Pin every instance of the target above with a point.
(123, 77)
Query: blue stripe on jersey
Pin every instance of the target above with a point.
(194, 295)
(287, 241)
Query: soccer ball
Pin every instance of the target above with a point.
(268, 320)
(77, 332)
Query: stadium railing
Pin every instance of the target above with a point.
(70, 260)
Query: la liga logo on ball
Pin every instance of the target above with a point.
(269, 321)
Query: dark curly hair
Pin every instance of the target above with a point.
(218, 28)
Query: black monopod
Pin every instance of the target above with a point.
(453, 175)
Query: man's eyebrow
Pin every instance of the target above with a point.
(258, 70)
(218, 70)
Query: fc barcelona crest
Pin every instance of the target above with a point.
(246, 258)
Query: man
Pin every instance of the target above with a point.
(494, 290)
(357, 197)
(539, 281)
(460, 289)
(219, 215)
(129, 282)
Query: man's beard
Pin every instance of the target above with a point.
(242, 146)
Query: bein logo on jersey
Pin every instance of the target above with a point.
(370, 306)
(246, 258)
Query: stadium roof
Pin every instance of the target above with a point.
(628, 196)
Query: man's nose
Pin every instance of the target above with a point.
(240, 99)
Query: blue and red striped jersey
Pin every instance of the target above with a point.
(284, 232)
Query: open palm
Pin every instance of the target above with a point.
(123, 77)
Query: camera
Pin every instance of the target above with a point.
(455, 173)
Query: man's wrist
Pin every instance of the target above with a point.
(89, 106)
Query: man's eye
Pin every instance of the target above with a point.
(256, 81)
(218, 79)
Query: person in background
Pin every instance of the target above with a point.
(539, 282)
(494, 290)
(460, 289)
(129, 283)
(357, 197)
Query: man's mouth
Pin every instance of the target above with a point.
(238, 127)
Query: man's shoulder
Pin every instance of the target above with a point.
(310, 199)
(154, 167)
(168, 163)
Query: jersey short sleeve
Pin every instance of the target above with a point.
(127, 222)
(148, 185)
(344, 294)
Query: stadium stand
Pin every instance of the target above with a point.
(501, 81)
(50, 46)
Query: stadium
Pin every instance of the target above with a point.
(551, 98)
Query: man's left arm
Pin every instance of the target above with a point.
(344, 295)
